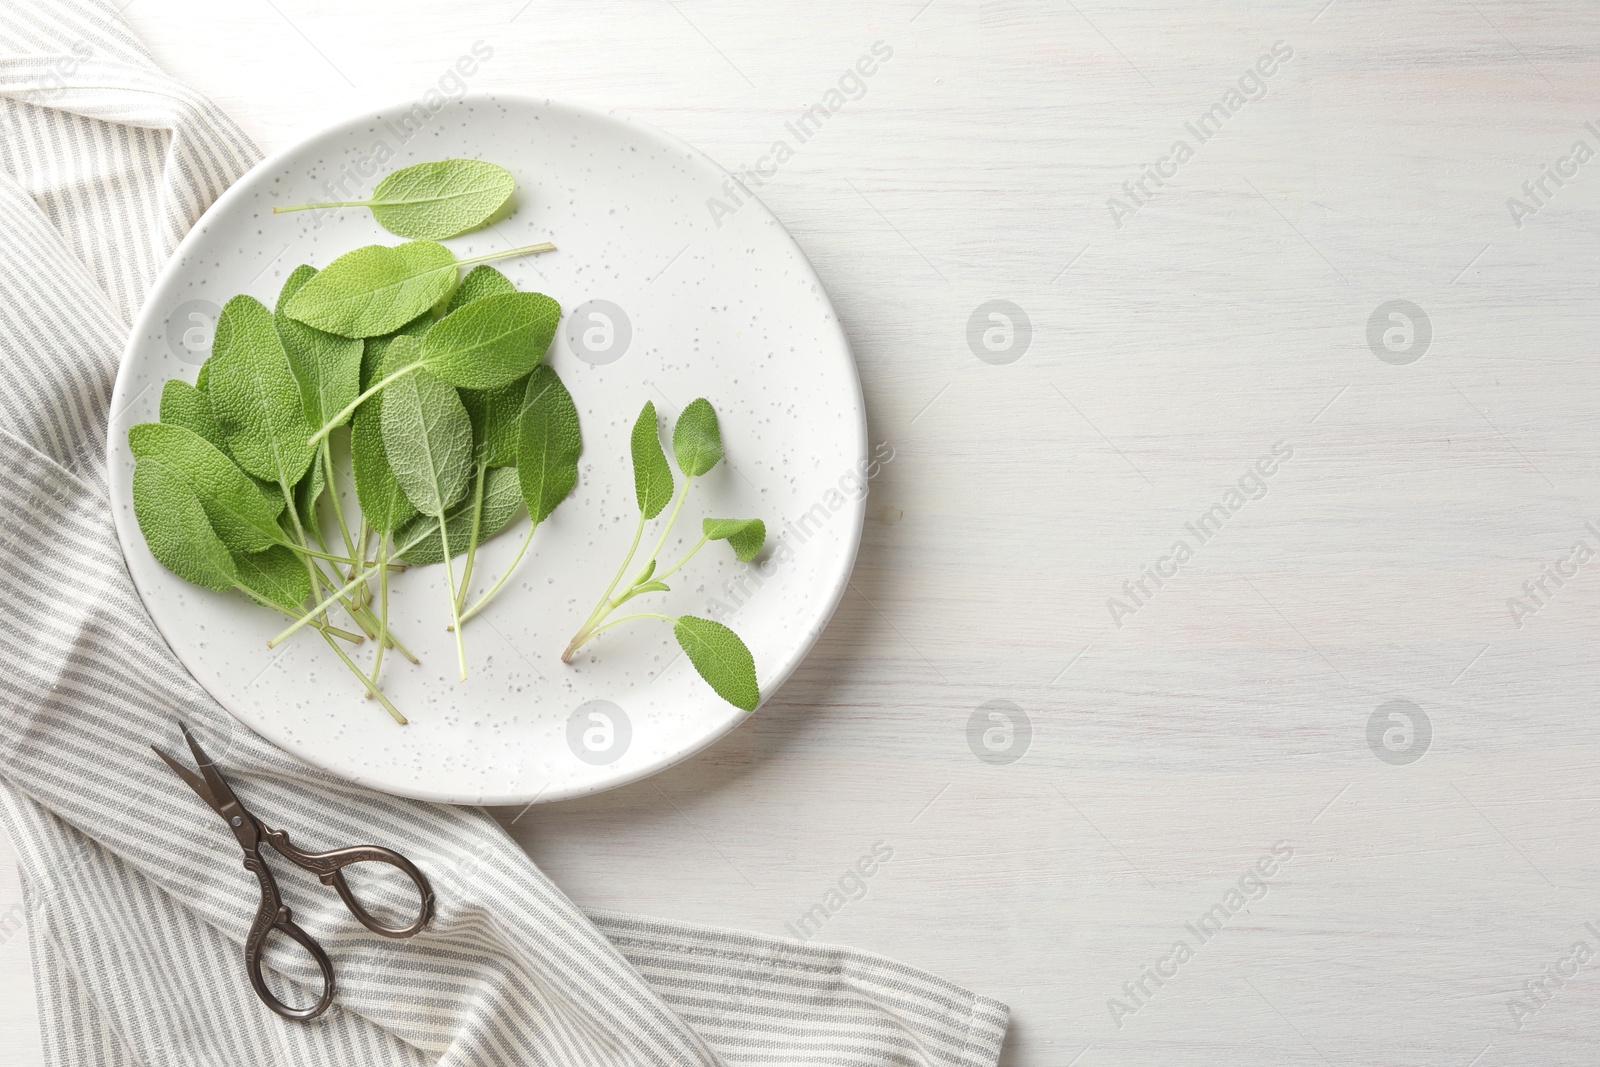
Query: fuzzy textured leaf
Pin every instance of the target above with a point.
(255, 395)
(276, 576)
(652, 478)
(744, 536)
(427, 436)
(184, 405)
(495, 426)
(502, 501)
(442, 199)
(375, 349)
(375, 289)
(481, 281)
(548, 444)
(491, 342)
(721, 658)
(326, 366)
(176, 528)
(384, 504)
(241, 514)
(696, 439)
(306, 495)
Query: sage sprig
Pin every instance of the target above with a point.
(717, 653)
(433, 200)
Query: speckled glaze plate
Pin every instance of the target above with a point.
(674, 284)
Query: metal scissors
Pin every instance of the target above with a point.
(272, 914)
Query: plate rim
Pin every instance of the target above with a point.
(839, 582)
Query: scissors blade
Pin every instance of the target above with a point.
(191, 779)
(221, 796)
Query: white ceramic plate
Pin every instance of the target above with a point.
(664, 300)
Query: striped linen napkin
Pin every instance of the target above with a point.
(136, 910)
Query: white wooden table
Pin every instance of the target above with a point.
(1435, 463)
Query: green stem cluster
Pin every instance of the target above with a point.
(646, 581)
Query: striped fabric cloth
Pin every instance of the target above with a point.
(136, 902)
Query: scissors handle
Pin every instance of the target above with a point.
(273, 915)
(329, 867)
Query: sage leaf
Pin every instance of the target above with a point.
(744, 536)
(502, 501)
(375, 289)
(652, 478)
(184, 405)
(495, 415)
(721, 658)
(651, 587)
(384, 504)
(307, 493)
(433, 200)
(548, 445)
(491, 342)
(427, 436)
(374, 349)
(326, 366)
(256, 397)
(277, 576)
(176, 528)
(481, 281)
(696, 440)
(239, 512)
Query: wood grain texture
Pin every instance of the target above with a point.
(1228, 314)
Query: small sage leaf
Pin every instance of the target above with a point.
(326, 366)
(384, 504)
(176, 528)
(495, 415)
(481, 281)
(491, 342)
(696, 440)
(308, 493)
(721, 658)
(744, 536)
(548, 444)
(427, 437)
(502, 501)
(375, 289)
(651, 587)
(255, 395)
(652, 478)
(243, 517)
(434, 200)
(276, 576)
(184, 405)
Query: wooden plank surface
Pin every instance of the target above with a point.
(1421, 471)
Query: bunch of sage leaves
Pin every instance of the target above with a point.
(447, 422)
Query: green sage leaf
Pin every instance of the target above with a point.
(255, 395)
(277, 576)
(176, 528)
(481, 281)
(326, 366)
(243, 516)
(652, 478)
(437, 200)
(696, 440)
(721, 658)
(502, 502)
(427, 435)
(184, 405)
(548, 444)
(491, 342)
(375, 289)
(308, 493)
(744, 536)
(384, 504)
